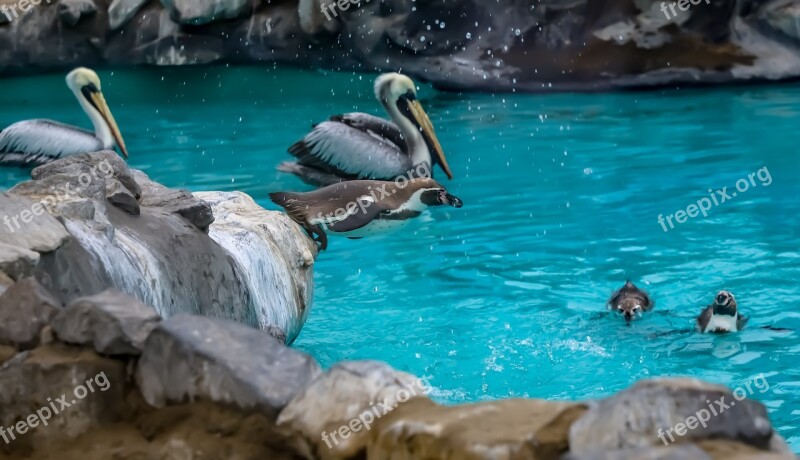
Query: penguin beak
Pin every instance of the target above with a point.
(417, 115)
(450, 200)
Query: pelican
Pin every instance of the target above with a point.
(36, 142)
(361, 146)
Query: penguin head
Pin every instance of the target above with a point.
(630, 308)
(725, 304)
(630, 302)
(432, 193)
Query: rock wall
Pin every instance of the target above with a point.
(87, 223)
(507, 45)
(105, 377)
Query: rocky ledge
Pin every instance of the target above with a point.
(87, 224)
(105, 377)
(504, 45)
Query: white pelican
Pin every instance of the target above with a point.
(36, 142)
(361, 146)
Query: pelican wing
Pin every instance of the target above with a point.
(344, 150)
(369, 123)
(33, 142)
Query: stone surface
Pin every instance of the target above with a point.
(59, 373)
(180, 202)
(5, 282)
(346, 392)
(25, 308)
(633, 418)
(198, 12)
(114, 323)
(585, 45)
(247, 232)
(678, 452)
(121, 11)
(125, 232)
(721, 449)
(189, 358)
(529, 429)
(71, 11)
(17, 262)
(21, 227)
(6, 353)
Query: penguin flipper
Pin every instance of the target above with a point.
(363, 215)
(741, 322)
(777, 329)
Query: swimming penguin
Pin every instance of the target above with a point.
(630, 301)
(360, 208)
(721, 316)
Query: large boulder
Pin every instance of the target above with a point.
(25, 309)
(190, 358)
(524, 429)
(112, 322)
(198, 12)
(665, 411)
(104, 226)
(56, 393)
(345, 398)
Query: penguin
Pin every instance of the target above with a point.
(721, 316)
(360, 208)
(630, 301)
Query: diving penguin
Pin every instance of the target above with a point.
(630, 301)
(360, 208)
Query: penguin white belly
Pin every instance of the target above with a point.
(722, 323)
(376, 227)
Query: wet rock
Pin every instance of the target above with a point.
(90, 167)
(25, 308)
(71, 11)
(5, 282)
(197, 12)
(501, 429)
(26, 225)
(114, 323)
(277, 333)
(670, 409)
(86, 391)
(680, 452)
(16, 262)
(349, 390)
(6, 353)
(121, 11)
(721, 449)
(247, 232)
(180, 202)
(189, 358)
(783, 17)
(122, 198)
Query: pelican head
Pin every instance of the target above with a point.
(85, 84)
(394, 89)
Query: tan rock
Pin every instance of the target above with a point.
(331, 419)
(723, 449)
(509, 429)
(6, 353)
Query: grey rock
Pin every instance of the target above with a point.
(6, 353)
(112, 322)
(93, 390)
(634, 418)
(180, 202)
(783, 16)
(189, 358)
(197, 12)
(25, 229)
(679, 452)
(5, 283)
(104, 164)
(71, 11)
(121, 11)
(346, 391)
(17, 262)
(25, 308)
(122, 198)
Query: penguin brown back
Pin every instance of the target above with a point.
(360, 208)
(630, 301)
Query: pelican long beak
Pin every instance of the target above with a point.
(426, 128)
(100, 103)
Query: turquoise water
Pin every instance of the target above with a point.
(562, 194)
